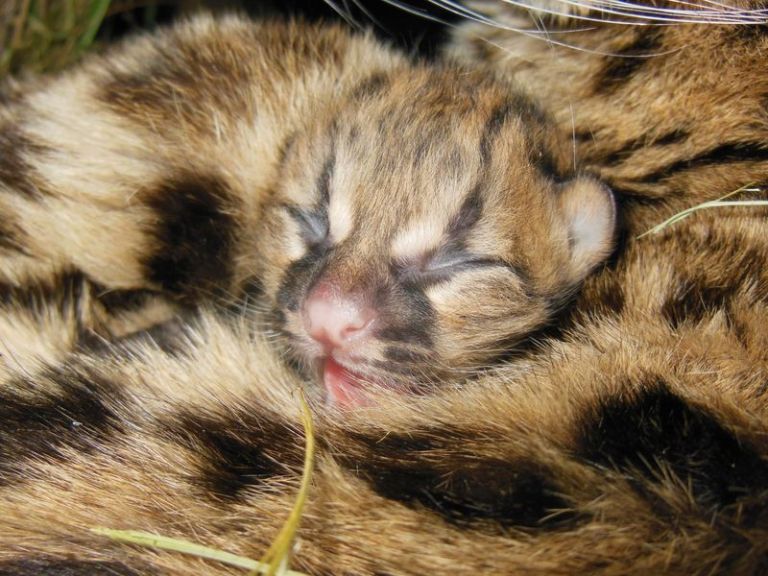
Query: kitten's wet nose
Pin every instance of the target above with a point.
(335, 319)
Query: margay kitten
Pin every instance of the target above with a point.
(402, 222)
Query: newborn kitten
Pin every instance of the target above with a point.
(405, 222)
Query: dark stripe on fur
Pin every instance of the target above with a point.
(239, 451)
(116, 301)
(52, 566)
(169, 89)
(168, 337)
(430, 470)
(693, 299)
(630, 147)
(655, 431)
(194, 235)
(619, 69)
(63, 292)
(371, 86)
(467, 216)
(16, 174)
(493, 126)
(725, 154)
(603, 295)
(58, 409)
(10, 239)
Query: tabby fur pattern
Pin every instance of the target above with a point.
(630, 439)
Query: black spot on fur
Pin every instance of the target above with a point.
(652, 429)
(194, 235)
(628, 61)
(602, 295)
(16, 174)
(59, 409)
(429, 470)
(239, 451)
(51, 566)
(694, 299)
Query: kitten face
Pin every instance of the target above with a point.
(415, 241)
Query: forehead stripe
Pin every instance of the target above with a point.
(493, 126)
(467, 216)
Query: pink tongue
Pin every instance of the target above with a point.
(344, 388)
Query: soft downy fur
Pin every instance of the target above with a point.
(406, 242)
(631, 440)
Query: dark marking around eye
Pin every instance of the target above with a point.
(300, 275)
(452, 263)
(313, 224)
(453, 257)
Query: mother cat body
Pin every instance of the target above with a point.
(633, 441)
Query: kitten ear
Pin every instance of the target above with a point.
(589, 209)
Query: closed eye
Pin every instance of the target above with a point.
(313, 224)
(442, 266)
(454, 263)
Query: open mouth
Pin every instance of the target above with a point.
(344, 387)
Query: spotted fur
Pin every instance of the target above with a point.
(223, 158)
(629, 440)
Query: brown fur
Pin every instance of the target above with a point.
(200, 163)
(631, 441)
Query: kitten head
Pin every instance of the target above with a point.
(422, 227)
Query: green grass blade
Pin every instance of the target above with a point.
(279, 553)
(185, 547)
(719, 203)
(275, 562)
(96, 12)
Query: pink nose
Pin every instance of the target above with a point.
(335, 319)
